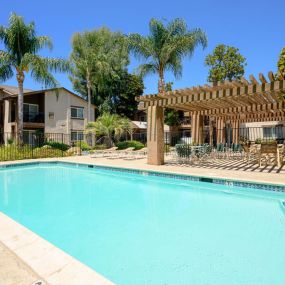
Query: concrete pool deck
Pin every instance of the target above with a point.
(27, 257)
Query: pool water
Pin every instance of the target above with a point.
(137, 229)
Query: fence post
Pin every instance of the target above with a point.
(80, 147)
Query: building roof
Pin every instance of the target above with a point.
(12, 91)
(143, 125)
(139, 125)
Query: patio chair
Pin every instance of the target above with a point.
(221, 150)
(105, 152)
(183, 152)
(236, 150)
(137, 154)
(267, 151)
(250, 152)
(121, 153)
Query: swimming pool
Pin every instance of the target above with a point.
(136, 228)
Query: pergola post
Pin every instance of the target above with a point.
(155, 135)
(220, 130)
(236, 131)
(200, 129)
(197, 128)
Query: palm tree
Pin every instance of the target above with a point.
(109, 126)
(22, 44)
(97, 56)
(165, 48)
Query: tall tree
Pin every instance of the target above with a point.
(165, 48)
(281, 64)
(226, 63)
(97, 56)
(20, 56)
(126, 89)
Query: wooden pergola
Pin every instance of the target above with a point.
(235, 102)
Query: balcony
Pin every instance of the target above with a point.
(186, 121)
(34, 117)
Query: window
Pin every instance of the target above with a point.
(31, 108)
(274, 132)
(51, 115)
(77, 112)
(31, 112)
(77, 135)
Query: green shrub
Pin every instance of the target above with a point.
(57, 145)
(136, 144)
(83, 145)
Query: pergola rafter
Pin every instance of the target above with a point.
(235, 93)
(251, 100)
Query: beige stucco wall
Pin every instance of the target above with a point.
(256, 128)
(61, 107)
(7, 124)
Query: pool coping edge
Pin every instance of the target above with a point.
(53, 265)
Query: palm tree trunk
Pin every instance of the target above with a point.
(161, 83)
(20, 79)
(88, 99)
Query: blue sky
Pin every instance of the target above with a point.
(255, 27)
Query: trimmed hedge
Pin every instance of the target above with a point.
(136, 144)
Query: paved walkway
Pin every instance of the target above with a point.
(222, 171)
(13, 271)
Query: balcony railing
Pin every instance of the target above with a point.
(185, 121)
(33, 117)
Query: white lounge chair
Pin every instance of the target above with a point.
(105, 152)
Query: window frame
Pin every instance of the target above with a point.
(78, 135)
(77, 108)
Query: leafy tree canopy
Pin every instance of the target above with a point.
(226, 63)
(99, 57)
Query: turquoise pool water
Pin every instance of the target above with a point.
(145, 230)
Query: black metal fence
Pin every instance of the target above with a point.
(44, 145)
(40, 145)
(220, 140)
(227, 135)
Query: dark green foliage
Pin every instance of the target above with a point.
(136, 144)
(57, 145)
(171, 117)
(130, 86)
(226, 63)
(281, 63)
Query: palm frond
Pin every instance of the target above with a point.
(43, 42)
(146, 69)
(140, 46)
(6, 72)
